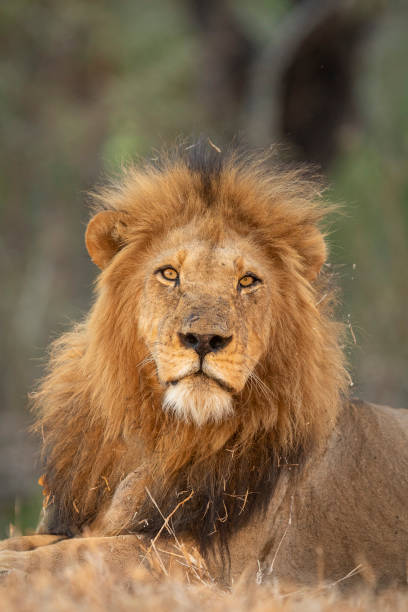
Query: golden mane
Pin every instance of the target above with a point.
(99, 408)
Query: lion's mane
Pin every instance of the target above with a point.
(98, 408)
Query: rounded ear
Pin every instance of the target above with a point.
(105, 236)
(314, 250)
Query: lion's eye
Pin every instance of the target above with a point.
(249, 280)
(169, 274)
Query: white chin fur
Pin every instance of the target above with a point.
(198, 401)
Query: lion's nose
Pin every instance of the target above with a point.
(204, 343)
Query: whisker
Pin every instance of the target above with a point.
(260, 385)
(257, 363)
(268, 392)
(145, 361)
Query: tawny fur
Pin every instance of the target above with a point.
(100, 407)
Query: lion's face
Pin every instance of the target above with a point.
(208, 286)
(204, 317)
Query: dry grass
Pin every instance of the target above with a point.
(92, 586)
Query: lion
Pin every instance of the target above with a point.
(204, 399)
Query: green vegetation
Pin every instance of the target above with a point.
(20, 518)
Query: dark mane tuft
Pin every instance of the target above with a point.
(206, 161)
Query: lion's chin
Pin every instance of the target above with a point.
(199, 400)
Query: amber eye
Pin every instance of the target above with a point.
(249, 280)
(169, 273)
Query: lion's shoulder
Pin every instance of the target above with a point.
(368, 449)
(373, 421)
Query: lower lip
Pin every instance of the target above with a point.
(203, 375)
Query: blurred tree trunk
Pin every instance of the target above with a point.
(298, 89)
(227, 55)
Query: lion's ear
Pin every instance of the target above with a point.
(105, 236)
(314, 251)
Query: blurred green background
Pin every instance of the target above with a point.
(87, 85)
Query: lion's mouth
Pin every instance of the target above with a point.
(203, 376)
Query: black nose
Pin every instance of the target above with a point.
(204, 343)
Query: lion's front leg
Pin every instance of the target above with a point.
(24, 543)
(119, 552)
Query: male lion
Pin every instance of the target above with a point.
(204, 397)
